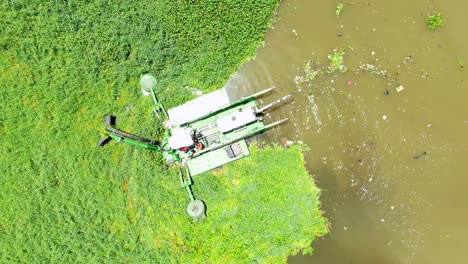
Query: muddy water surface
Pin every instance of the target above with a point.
(393, 166)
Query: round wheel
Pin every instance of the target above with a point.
(196, 209)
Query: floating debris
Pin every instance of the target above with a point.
(386, 92)
(407, 59)
(399, 88)
(297, 79)
(373, 69)
(424, 153)
(286, 143)
(384, 117)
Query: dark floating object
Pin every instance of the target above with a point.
(424, 153)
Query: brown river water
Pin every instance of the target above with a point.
(393, 167)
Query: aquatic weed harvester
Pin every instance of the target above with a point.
(200, 135)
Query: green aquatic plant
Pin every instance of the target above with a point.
(339, 9)
(434, 21)
(310, 72)
(63, 66)
(336, 61)
(248, 224)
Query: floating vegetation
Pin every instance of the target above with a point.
(64, 200)
(336, 60)
(434, 21)
(311, 71)
(339, 9)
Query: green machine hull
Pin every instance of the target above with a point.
(202, 134)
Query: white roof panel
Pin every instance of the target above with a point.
(198, 107)
(181, 137)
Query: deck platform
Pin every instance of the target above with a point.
(217, 158)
